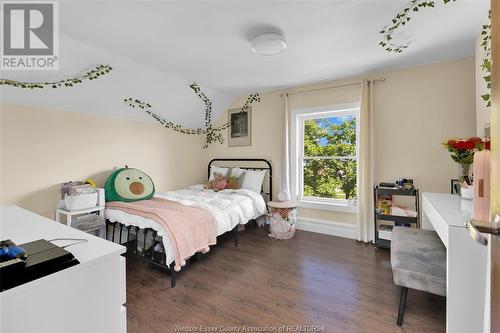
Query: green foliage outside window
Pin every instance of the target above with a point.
(333, 178)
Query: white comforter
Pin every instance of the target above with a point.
(229, 208)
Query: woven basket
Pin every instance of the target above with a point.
(280, 228)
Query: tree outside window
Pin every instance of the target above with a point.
(329, 160)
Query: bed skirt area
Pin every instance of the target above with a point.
(145, 244)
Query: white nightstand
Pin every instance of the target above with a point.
(283, 208)
(70, 214)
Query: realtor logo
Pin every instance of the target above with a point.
(29, 36)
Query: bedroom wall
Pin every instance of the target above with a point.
(41, 148)
(415, 110)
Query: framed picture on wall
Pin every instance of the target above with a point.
(240, 130)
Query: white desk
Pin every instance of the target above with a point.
(88, 297)
(466, 265)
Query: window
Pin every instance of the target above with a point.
(326, 158)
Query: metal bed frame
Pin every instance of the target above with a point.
(149, 252)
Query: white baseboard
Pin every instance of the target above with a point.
(339, 229)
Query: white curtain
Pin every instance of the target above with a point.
(284, 193)
(365, 228)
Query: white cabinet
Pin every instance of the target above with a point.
(88, 297)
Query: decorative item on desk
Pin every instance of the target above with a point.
(455, 186)
(467, 191)
(462, 151)
(467, 207)
(406, 184)
(465, 174)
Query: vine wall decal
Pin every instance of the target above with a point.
(404, 16)
(213, 134)
(93, 74)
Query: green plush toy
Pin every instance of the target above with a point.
(127, 184)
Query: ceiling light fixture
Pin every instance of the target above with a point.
(269, 43)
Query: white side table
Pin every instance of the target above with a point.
(282, 207)
(283, 215)
(70, 213)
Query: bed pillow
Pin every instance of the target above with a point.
(236, 172)
(127, 184)
(253, 180)
(215, 169)
(239, 175)
(234, 183)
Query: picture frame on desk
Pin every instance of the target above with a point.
(455, 186)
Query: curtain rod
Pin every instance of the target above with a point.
(331, 87)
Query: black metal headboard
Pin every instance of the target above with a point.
(268, 163)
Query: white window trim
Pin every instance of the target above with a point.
(297, 144)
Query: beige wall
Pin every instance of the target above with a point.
(415, 110)
(41, 148)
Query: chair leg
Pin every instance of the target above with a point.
(402, 305)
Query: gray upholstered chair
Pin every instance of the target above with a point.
(418, 260)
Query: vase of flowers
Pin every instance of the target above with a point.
(465, 173)
(462, 151)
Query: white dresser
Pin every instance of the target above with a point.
(88, 297)
(466, 263)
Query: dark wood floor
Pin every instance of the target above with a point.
(312, 279)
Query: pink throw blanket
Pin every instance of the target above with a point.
(191, 229)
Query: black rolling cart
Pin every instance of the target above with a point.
(384, 220)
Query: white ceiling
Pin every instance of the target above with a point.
(160, 46)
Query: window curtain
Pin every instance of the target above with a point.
(366, 165)
(284, 193)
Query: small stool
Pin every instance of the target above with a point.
(418, 261)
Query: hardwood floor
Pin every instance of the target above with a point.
(312, 279)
